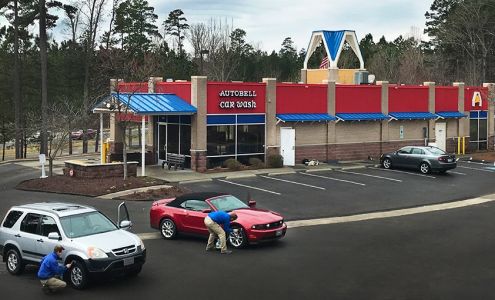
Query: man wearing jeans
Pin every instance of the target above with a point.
(214, 222)
(50, 270)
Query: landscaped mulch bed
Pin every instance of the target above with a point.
(157, 194)
(87, 186)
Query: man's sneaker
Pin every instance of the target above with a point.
(226, 252)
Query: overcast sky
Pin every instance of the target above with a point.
(268, 22)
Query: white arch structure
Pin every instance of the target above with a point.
(334, 43)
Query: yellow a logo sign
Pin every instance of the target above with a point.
(476, 100)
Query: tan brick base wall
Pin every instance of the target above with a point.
(100, 171)
(491, 140)
(198, 161)
(318, 152)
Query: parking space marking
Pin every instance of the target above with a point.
(369, 175)
(332, 178)
(458, 173)
(404, 172)
(484, 170)
(471, 162)
(249, 187)
(294, 182)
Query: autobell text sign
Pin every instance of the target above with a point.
(237, 99)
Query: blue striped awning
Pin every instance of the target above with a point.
(305, 117)
(361, 116)
(151, 103)
(451, 114)
(412, 115)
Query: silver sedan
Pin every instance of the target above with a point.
(425, 159)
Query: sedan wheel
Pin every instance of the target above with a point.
(387, 163)
(168, 229)
(424, 168)
(14, 262)
(238, 239)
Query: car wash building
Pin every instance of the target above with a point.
(331, 115)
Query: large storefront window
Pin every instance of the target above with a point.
(478, 130)
(174, 136)
(241, 140)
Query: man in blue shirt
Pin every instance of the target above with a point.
(214, 222)
(50, 270)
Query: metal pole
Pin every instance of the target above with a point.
(102, 159)
(143, 143)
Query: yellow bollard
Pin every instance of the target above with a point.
(458, 145)
(463, 145)
(104, 149)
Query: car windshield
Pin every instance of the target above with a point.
(436, 151)
(228, 203)
(86, 224)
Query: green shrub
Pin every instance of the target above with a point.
(275, 161)
(233, 164)
(256, 163)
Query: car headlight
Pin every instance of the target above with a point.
(142, 245)
(96, 253)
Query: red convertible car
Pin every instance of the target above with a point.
(186, 214)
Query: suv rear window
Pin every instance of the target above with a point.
(12, 218)
(30, 223)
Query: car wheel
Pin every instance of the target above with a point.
(168, 229)
(13, 262)
(78, 275)
(387, 163)
(238, 239)
(424, 168)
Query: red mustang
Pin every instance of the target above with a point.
(186, 214)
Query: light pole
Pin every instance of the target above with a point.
(201, 53)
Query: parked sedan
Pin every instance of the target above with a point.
(78, 135)
(186, 214)
(426, 159)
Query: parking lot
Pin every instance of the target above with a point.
(303, 195)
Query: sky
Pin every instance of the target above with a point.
(268, 22)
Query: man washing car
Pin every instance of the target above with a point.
(214, 223)
(50, 270)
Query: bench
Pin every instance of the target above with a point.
(177, 160)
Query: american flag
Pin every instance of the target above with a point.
(324, 63)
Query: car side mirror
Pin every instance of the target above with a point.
(125, 224)
(206, 211)
(54, 236)
(252, 203)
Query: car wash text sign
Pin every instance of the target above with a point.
(236, 98)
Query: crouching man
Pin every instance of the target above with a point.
(214, 222)
(50, 271)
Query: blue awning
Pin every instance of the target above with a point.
(412, 115)
(148, 104)
(451, 114)
(305, 117)
(361, 116)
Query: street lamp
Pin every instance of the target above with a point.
(201, 53)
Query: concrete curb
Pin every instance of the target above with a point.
(354, 167)
(128, 192)
(240, 176)
(195, 181)
(280, 173)
(323, 169)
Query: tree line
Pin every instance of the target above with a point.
(122, 39)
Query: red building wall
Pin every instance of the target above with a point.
(446, 98)
(358, 99)
(468, 96)
(255, 99)
(408, 99)
(181, 89)
(298, 98)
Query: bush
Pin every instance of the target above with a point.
(275, 161)
(233, 164)
(256, 163)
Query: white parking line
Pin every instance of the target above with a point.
(458, 173)
(397, 171)
(472, 162)
(475, 169)
(369, 175)
(295, 182)
(249, 187)
(331, 178)
(368, 216)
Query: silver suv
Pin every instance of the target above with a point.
(91, 240)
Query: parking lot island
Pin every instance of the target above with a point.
(94, 169)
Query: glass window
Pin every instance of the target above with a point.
(173, 138)
(86, 224)
(196, 205)
(483, 132)
(473, 129)
(250, 139)
(48, 225)
(227, 203)
(214, 162)
(12, 218)
(436, 151)
(220, 140)
(405, 150)
(245, 159)
(185, 139)
(417, 151)
(162, 141)
(31, 223)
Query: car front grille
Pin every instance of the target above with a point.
(124, 250)
(275, 225)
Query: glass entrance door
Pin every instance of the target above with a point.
(174, 138)
(162, 142)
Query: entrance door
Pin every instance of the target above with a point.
(162, 142)
(441, 135)
(288, 145)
